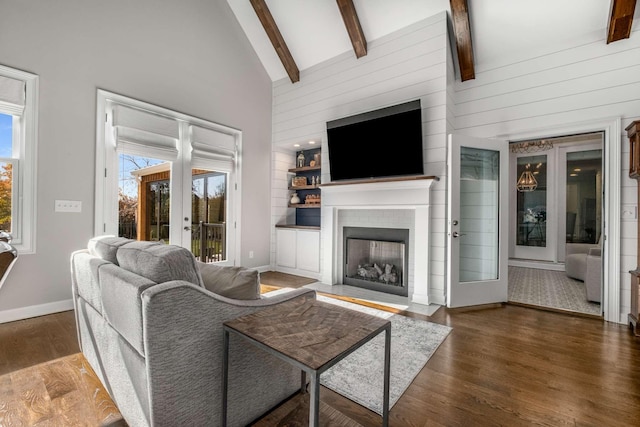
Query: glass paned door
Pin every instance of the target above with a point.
(479, 204)
(144, 198)
(534, 224)
(477, 218)
(532, 201)
(209, 215)
(584, 196)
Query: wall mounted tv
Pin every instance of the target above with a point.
(380, 143)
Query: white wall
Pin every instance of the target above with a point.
(190, 56)
(580, 82)
(406, 65)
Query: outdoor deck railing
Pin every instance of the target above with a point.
(210, 249)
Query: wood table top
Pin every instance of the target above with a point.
(309, 331)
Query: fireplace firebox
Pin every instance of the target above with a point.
(376, 259)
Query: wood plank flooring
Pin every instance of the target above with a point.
(62, 392)
(501, 365)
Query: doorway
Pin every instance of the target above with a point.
(556, 213)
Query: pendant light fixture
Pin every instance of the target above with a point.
(527, 182)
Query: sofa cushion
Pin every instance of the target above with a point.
(86, 279)
(105, 247)
(121, 292)
(231, 282)
(159, 262)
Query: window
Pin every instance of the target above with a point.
(18, 136)
(174, 177)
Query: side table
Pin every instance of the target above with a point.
(311, 335)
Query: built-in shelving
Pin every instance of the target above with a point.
(303, 187)
(304, 205)
(307, 214)
(305, 169)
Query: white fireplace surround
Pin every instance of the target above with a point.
(403, 194)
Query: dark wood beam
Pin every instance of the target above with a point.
(351, 21)
(462, 30)
(621, 20)
(269, 25)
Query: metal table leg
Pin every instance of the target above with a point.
(314, 399)
(387, 373)
(225, 376)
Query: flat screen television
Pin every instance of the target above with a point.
(377, 144)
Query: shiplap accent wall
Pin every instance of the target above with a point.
(406, 65)
(580, 82)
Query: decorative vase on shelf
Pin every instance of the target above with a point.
(295, 199)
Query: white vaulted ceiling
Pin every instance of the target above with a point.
(314, 30)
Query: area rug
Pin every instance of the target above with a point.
(360, 376)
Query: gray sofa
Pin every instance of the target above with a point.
(153, 334)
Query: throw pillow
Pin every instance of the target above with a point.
(106, 247)
(231, 282)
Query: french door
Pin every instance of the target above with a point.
(168, 178)
(563, 205)
(477, 221)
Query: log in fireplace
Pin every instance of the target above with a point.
(376, 259)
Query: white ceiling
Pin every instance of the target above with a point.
(314, 30)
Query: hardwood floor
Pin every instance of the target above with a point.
(37, 340)
(501, 365)
(45, 381)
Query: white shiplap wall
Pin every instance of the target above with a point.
(585, 81)
(406, 65)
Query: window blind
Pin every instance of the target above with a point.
(212, 148)
(146, 134)
(12, 95)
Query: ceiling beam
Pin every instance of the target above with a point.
(462, 30)
(269, 25)
(621, 20)
(351, 21)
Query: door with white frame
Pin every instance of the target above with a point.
(557, 200)
(167, 177)
(533, 184)
(580, 195)
(477, 221)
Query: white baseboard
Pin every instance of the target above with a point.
(35, 310)
(296, 272)
(262, 268)
(438, 298)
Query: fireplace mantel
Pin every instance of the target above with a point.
(411, 193)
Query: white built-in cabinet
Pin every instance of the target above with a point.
(298, 251)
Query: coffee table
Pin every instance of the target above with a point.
(311, 335)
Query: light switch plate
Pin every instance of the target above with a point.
(68, 206)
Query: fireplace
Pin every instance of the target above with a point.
(399, 204)
(376, 259)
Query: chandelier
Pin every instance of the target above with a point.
(531, 146)
(527, 182)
